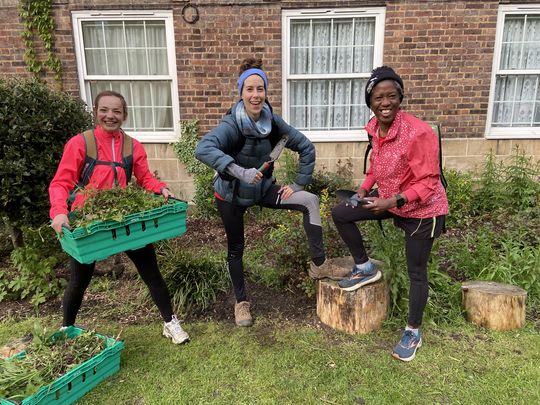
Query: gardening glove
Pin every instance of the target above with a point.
(249, 176)
(59, 221)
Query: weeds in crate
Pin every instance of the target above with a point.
(114, 204)
(46, 358)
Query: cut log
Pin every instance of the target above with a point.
(356, 312)
(494, 305)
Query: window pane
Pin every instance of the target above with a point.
(320, 59)
(116, 62)
(157, 61)
(342, 40)
(96, 61)
(163, 119)
(300, 40)
(135, 34)
(93, 34)
(142, 119)
(155, 34)
(531, 48)
(364, 39)
(137, 62)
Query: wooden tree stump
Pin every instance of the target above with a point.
(494, 305)
(356, 312)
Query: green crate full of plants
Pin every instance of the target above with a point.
(72, 385)
(103, 238)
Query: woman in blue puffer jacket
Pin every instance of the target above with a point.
(236, 149)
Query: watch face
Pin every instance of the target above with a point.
(400, 202)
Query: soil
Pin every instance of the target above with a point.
(291, 304)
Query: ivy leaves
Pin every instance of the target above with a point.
(36, 16)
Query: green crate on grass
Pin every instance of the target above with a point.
(103, 239)
(70, 387)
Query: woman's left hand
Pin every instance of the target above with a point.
(165, 192)
(379, 205)
(286, 192)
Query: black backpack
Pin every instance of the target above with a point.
(91, 160)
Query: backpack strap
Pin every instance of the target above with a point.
(88, 164)
(437, 129)
(127, 155)
(366, 154)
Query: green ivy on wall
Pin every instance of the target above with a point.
(36, 16)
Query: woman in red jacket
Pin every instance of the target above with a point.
(404, 163)
(110, 111)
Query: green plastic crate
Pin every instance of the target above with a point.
(70, 387)
(103, 239)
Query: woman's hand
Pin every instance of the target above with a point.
(361, 192)
(286, 192)
(59, 221)
(165, 192)
(379, 205)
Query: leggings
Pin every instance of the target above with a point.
(233, 220)
(146, 263)
(417, 248)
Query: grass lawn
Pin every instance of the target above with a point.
(281, 362)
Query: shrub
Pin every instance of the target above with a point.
(34, 274)
(193, 278)
(35, 123)
(185, 151)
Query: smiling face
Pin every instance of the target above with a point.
(253, 95)
(110, 113)
(385, 102)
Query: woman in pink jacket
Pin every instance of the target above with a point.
(404, 163)
(110, 111)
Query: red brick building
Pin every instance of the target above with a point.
(471, 66)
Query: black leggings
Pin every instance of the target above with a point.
(233, 220)
(419, 237)
(146, 263)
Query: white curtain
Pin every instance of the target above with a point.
(322, 47)
(517, 96)
(131, 48)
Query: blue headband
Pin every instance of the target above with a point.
(249, 72)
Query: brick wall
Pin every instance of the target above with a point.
(442, 49)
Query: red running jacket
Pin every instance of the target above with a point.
(109, 149)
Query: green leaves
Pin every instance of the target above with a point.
(37, 18)
(35, 123)
(114, 204)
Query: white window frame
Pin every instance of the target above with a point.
(287, 15)
(78, 17)
(508, 132)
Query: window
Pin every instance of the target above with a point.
(131, 53)
(515, 87)
(328, 56)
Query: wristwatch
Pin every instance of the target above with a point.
(400, 201)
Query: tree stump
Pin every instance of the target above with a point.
(494, 305)
(355, 312)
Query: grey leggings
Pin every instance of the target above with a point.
(233, 220)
